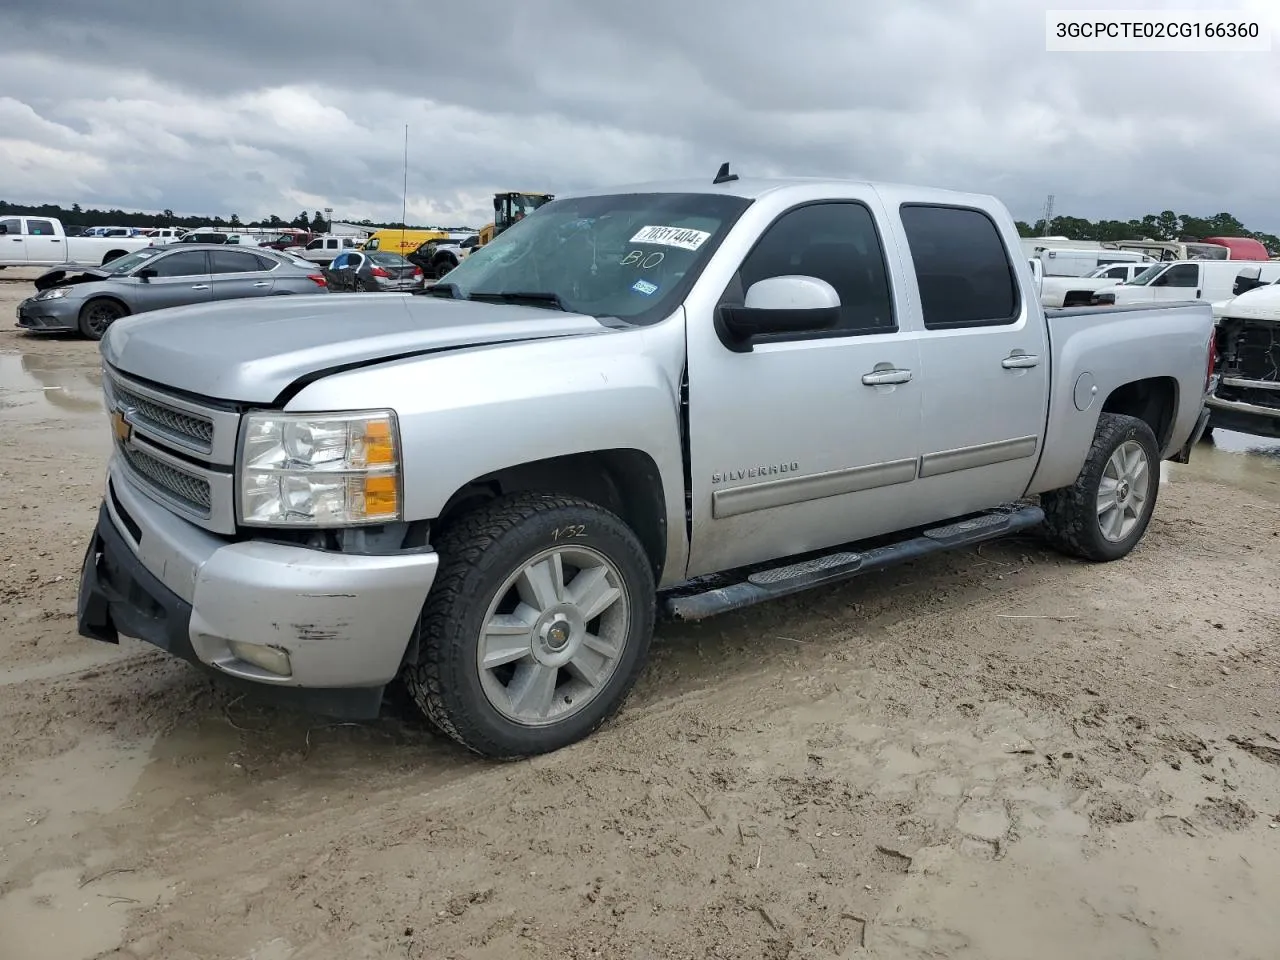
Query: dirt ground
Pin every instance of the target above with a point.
(994, 755)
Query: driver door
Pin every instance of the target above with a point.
(1182, 281)
(180, 278)
(807, 440)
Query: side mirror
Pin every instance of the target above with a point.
(146, 273)
(790, 304)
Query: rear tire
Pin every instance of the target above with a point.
(97, 315)
(1104, 514)
(536, 628)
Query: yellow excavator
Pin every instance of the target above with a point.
(510, 207)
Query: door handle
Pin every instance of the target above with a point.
(881, 377)
(262, 283)
(1197, 294)
(1019, 361)
(16, 239)
(200, 286)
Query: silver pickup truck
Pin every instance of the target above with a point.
(674, 399)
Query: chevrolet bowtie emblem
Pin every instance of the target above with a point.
(120, 426)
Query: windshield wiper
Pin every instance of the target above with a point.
(536, 297)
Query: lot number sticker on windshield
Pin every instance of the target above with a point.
(645, 287)
(681, 237)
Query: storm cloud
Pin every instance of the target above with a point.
(259, 107)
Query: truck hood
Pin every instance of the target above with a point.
(1262, 304)
(252, 351)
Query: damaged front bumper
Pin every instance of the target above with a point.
(49, 316)
(1246, 416)
(333, 627)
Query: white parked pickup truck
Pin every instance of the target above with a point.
(41, 242)
(674, 399)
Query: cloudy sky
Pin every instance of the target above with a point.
(255, 107)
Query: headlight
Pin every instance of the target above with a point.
(57, 293)
(319, 470)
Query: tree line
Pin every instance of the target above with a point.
(78, 216)
(1156, 226)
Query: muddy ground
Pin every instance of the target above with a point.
(994, 755)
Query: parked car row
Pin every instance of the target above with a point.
(184, 274)
(154, 278)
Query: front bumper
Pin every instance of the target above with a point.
(1244, 417)
(344, 620)
(49, 315)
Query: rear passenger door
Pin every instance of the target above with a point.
(808, 440)
(239, 273)
(984, 361)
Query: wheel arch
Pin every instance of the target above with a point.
(1154, 400)
(110, 297)
(113, 255)
(624, 481)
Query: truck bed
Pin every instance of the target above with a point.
(1097, 349)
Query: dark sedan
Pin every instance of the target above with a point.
(158, 277)
(377, 272)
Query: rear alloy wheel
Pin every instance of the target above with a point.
(536, 628)
(1104, 514)
(97, 315)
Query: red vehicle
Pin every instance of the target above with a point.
(1242, 248)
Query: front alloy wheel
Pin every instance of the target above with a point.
(553, 636)
(537, 625)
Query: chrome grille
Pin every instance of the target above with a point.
(193, 429)
(191, 491)
(178, 450)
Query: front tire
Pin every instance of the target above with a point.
(1104, 514)
(97, 315)
(536, 628)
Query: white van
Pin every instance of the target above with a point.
(1079, 291)
(1190, 280)
(1082, 261)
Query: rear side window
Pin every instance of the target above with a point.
(188, 263)
(962, 268)
(836, 242)
(40, 228)
(234, 261)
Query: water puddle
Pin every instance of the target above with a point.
(37, 386)
(60, 916)
(1243, 461)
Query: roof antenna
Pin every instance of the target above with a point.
(724, 176)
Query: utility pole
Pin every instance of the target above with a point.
(1048, 214)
